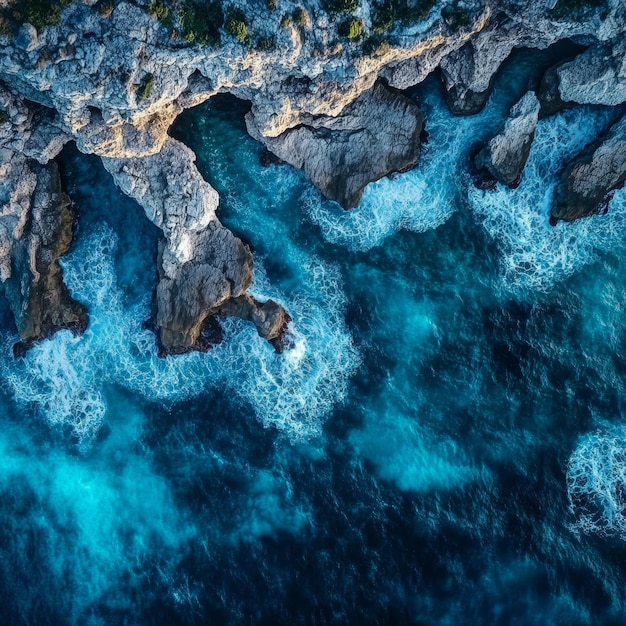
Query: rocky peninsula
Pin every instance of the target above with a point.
(327, 82)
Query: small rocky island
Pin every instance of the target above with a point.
(327, 82)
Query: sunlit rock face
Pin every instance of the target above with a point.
(323, 98)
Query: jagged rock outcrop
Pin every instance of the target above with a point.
(114, 80)
(588, 180)
(36, 223)
(468, 73)
(596, 76)
(203, 267)
(269, 317)
(505, 156)
(35, 230)
(121, 85)
(375, 135)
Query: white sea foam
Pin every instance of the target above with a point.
(66, 377)
(418, 200)
(535, 255)
(596, 483)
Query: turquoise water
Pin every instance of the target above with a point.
(444, 444)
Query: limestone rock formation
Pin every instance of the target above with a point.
(587, 181)
(113, 78)
(35, 230)
(375, 135)
(36, 222)
(468, 74)
(269, 318)
(505, 156)
(202, 265)
(596, 76)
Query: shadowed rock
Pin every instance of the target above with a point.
(468, 74)
(35, 230)
(269, 317)
(550, 100)
(377, 134)
(588, 180)
(505, 156)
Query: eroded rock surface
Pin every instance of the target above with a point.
(505, 156)
(596, 76)
(35, 230)
(114, 80)
(375, 135)
(36, 222)
(202, 265)
(588, 180)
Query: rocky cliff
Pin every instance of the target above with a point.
(586, 183)
(323, 80)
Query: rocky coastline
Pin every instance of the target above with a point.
(327, 85)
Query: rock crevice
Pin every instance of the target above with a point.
(505, 155)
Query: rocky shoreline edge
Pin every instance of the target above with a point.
(328, 103)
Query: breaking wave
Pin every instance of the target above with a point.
(533, 254)
(596, 484)
(66, 377)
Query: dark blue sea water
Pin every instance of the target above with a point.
(444, 445)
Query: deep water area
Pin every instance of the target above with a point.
(444, 444)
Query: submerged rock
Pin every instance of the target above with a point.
(589, 179)
(377, 134)
(505, 156)
(202, 265)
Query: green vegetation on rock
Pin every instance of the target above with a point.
(237, 26)
(265, 44)
(145, 89)
(301, 18)
(407, 12)
(341, 7)
(4, 117)
(382, 20)
(353, 28)
(201, 23)
(39, 13)
(160, 11)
